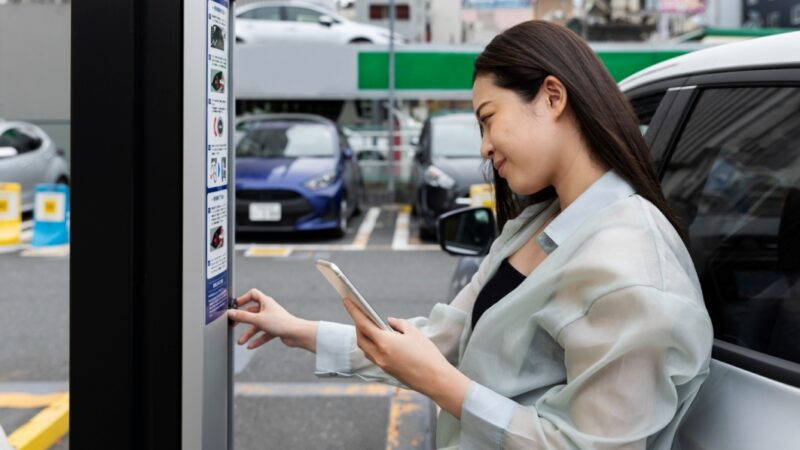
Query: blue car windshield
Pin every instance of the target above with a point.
(456, 138)
(288, 140)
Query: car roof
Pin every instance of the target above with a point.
(285, 116)
(6, 124)
(248, 6)
(780, 50)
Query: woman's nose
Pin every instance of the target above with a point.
(487, 151)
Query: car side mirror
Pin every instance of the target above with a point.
(326, 21)
(467, 232)
(8, 152)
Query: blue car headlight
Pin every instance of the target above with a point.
(321, 182)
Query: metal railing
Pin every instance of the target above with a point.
(371, 148)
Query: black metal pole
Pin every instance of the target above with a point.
(126, 224)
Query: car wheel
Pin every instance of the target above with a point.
(341, 230)
(427, 234)
(360, 208)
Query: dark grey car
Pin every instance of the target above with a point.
(445, 165)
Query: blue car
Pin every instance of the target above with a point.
(295, 172)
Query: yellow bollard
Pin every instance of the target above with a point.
(482, 195)
(10, 213)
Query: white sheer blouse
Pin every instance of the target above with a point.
(603, 346)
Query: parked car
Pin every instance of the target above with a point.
(446, 163)
(722, 125)
(295, 172)
(297, 21)
(28, 156)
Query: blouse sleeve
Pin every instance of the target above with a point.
(339, 355)
(634, 362)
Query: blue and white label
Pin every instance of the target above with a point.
(217, 166)
(216, 233)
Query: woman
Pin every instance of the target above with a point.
(585, 326)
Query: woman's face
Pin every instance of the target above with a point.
(520, 138)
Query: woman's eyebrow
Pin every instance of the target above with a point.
(478, 111)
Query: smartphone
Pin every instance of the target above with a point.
(345, 288)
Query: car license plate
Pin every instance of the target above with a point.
(265, 212)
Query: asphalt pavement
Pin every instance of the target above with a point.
(279, 402)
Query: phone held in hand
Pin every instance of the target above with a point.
(346, 289)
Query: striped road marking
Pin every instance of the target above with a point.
(365, 230)
(411, 415)
(264, 252)
(401, 239)
(410, 425)
(401, 233)
(46, 427)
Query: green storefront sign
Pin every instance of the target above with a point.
(453, 71)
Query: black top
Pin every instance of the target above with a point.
(505, 280)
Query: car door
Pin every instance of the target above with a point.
(262, 24)
(303, 25)
(732, 176)
(25, 168)
(420, 163)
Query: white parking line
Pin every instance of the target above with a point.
(401, 240)
(365, 230)
(401, 224)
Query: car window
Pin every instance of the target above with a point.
(734, 181)
(22, 141)
(456, 138)
(287, 140)
(264, 13)
(645, 108)
(297, 14)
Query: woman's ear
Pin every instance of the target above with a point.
(555, 95)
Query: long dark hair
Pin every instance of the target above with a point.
(521, 57)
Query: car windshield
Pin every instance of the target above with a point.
(287, 140)
(456, 138)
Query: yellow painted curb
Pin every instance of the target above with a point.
(44, 429)
(25, 400)
(261, 252)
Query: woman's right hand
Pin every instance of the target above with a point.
(264, 314)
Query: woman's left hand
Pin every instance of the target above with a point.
(407, 355)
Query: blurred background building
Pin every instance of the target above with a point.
(35, 42)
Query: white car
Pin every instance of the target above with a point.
(296, 21)
(28, 156)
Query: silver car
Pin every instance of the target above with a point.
(28, 156)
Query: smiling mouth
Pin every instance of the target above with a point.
(499, 165)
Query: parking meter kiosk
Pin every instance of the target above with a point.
(151, 269)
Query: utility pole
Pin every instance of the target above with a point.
(390, 115)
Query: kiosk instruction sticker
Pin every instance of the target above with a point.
(217, 160)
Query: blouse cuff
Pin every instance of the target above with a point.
(485, 415)
(334, 343)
